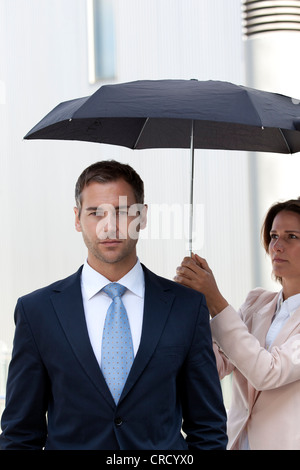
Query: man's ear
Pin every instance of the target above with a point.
(143, 217)
(77, 219)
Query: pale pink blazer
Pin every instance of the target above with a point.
(266, 384)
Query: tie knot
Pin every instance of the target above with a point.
(114, 290)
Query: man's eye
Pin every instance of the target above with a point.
(97, 213)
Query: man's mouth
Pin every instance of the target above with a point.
(110, 242)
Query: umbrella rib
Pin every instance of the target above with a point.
(285, 141)
(140, 134)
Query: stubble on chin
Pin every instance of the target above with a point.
(111, 255)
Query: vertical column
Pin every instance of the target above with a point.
(271, 32)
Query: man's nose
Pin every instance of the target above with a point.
(106, 227)
(110, 222)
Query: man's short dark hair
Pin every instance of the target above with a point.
(107, 171)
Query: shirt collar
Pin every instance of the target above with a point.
(291, 304)
(92, 281)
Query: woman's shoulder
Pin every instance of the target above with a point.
(258, 297)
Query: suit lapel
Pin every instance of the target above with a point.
(260, 325)
(157, 306)
(263, 319)
(288, 329)
(263, 322)
(68, 306)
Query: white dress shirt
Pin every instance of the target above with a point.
(284, 310)
(96, 303)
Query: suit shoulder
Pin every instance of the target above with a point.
(168, 284)
(183, 290)
(56, 286)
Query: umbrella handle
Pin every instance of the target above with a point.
(192, 149)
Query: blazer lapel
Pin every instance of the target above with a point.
(288, 328)
(157, 306)
(261, 322)
(68, 306)
(263, 319)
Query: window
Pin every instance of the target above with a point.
(101, 39)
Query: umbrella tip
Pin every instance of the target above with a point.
(297, 125)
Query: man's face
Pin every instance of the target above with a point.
(110, 223)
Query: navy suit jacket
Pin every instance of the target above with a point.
(57, 397)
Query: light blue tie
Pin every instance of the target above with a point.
(117, 348)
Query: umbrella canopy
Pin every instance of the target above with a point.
(178, 114)
(158, 114)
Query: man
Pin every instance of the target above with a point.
(60, 393)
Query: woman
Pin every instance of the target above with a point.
(260, 344)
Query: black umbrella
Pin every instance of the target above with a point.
(178, 114)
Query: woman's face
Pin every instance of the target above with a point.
(284, 247)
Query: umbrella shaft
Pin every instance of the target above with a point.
(192, 148)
